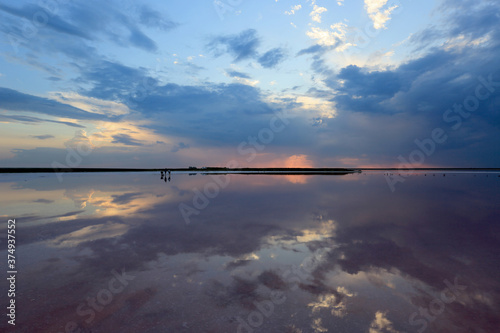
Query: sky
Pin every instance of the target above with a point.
(304, 83)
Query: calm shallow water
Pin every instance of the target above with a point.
(113, 253)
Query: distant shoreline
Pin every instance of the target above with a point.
(220, 170)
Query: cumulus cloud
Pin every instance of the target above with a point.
(327, 39)
(316, 13)
(293, 10)
(381, 324)
(378, 15)
(415, 95)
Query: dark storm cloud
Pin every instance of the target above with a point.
(241, 46)
(410, 100)
(384, 84)
(441, 77)
(272, 57)
(222, 114)
(474, 19)
(224, 98)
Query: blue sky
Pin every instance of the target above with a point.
(265, 83)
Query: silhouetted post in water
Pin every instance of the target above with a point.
(162, 174)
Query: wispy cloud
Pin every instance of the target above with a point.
(233, 73)
(16, 101)
(179, 146)
(127, 140)
(43, 137)
(272, 57)
(242, 46)
(34, 120)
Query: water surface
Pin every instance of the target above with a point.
(130, 252)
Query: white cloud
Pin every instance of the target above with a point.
(247, 82)
(323, 36)
(293, 10)
(316, 13)
(378, 15)
(335, 36)
(90, 104)
(243, 80)
(91, 233)
(340, 2)
(381, 324)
